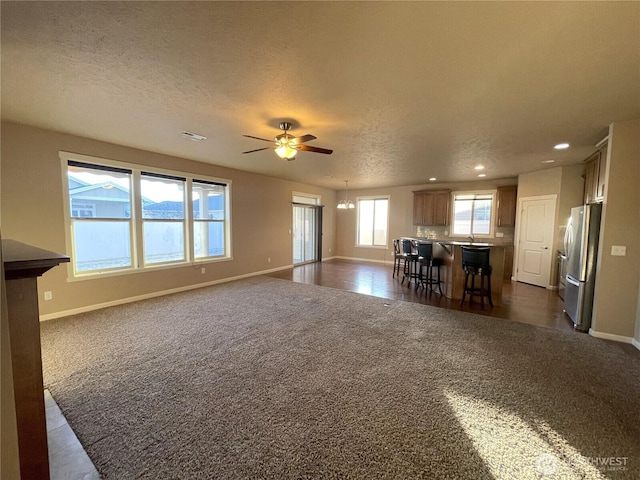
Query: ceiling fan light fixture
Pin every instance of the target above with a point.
(286, 152)
(286, 145)
(285, 148)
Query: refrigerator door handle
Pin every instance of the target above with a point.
(567, 237)
(573, 281)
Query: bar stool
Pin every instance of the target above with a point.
(475, 262)
(410, 263)
(426, 259)
(399, 259)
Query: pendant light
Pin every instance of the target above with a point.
(346, 203)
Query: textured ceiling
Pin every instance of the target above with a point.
(400, 91)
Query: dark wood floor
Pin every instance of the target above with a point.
(521, 302)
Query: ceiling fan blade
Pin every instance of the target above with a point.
(259, 149)
(305, 138)
(309, 148)
(258, 138)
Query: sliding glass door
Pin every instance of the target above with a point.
(307, 229)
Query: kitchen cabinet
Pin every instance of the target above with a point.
(431, 208)
(594, 176)
(506, 201)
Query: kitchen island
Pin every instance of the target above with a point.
(452, 274)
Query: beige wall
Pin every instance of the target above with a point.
(400, 217)
(32, 212)
(542, 182)
(617, 281)
(571, 195)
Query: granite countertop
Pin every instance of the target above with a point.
(492, 243)
(449, 241)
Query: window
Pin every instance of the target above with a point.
(307, 199)
(163, 219)
(472, 213)
(209, 224)
(372, 221)
(100, 217)
(124, 219)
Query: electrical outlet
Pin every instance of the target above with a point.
(202, 270)
(618, 250)
(268, 259)
(48, 295)
(499, 234)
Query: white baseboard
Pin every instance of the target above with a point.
(611, 336)
(122, 301)
(635, 343)
(355, 259)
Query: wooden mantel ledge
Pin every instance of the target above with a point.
(22, 265)
(25, 261)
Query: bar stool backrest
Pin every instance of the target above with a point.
(475, 256)
(425, 250)
(407, 246)
(396, 246)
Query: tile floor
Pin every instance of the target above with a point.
(67, 458)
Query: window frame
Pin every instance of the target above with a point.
(226, 227)
(492, 230)
(386, 240)
(313, 199)
(137, 220)
(144, 221)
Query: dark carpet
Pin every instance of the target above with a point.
(270, 379)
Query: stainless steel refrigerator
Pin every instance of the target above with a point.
(581, 248)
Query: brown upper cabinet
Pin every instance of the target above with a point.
(594, 175)
(431, 208)
(506, 201)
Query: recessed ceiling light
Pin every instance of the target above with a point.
(432, 179)
(561, 146)
(193, 136)
(479, 167)
(482, 175)
(548, 161)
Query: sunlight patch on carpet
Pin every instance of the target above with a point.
(513, 449)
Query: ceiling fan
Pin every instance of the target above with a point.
(286, 145)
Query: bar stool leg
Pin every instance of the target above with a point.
(464, 289)
(489, 295)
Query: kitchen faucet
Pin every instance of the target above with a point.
(471, 237)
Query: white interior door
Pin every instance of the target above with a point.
(535, 240)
